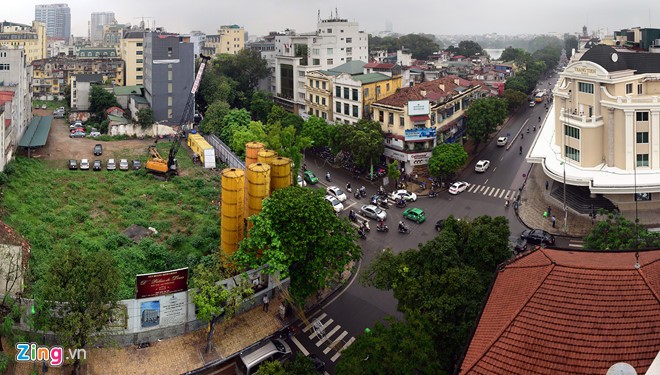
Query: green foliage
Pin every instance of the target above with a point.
(235, 119)
(363, 140)
(272, 368)
(446, 159)
(618, 233)
(145, 118)
(280, 116)
(514, 98)
(517, 55)
(300, 365)
(215, 87)
(517, 83)
(287, 142)
(254, 132)
(246, 69)
(316, 129)
(214, 118)
(100, 100)
(469, 48)
(261, 105)
(393, 171)
(570, 43)
(484, 115)
(419, 45)
(400, 348)
(298, 232)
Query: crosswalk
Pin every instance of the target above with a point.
(576, 243)
(325, 333)
(491, 191)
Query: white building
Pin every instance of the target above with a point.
(99, 19)
(335, 42)
(15, 100)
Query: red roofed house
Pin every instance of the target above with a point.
(115, 111)
(415, 118)
(569, 312)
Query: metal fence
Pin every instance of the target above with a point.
(224, 153)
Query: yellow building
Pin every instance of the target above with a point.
(131, 51)
(31, 38)
(319, 95)
(230, 40)
(52, 75)
(354, 94)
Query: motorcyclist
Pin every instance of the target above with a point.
(351, 215)
(365, 225)
(520, 150)
(381, 223)
(363, 190)
(348, 187)
(506, 202)
(534, 127)
(327, 176)
(402, 226)
(539, 118)
(522, 135)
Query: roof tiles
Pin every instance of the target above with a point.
(569, 312)
(434, 90)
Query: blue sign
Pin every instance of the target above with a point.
(420, 134)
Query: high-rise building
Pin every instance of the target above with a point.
(132, 52)
(99, 19)
(230, 40)
(57, 18)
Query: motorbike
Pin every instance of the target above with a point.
(357, 194)
(361, 233)
(352, 217)
(383, 203)
(382, 228)
(535, 128)
(363, 191)
(432, 194)
(327, 176)
(527, 130)
(365, 226)
(506, 203)
(522, 135)
(520, 150)
(348, 188)
(404, 229)
(401, 203)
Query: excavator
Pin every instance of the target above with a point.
(164, 168)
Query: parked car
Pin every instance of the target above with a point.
(98, 165)
(519, 246)
(336, 192)
(336, 204)
(58, 113)
(439, 224)
(501, 141)
(76, 124)
(458, 187)
(373, 212)
(77, 134)
(73, 164)
(248, 362)
(123, 165)
(301, 182)
(482, 166)
(310, 177)
(538, 237)
(111, 165)
(415, 214)
(98, 149)
(43, 106)
(77, 130)
(95, 133)
(135, 164)
(532, 104)
(405, 194)
(84, 165)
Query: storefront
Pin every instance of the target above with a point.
(407, 161)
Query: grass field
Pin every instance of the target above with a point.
(54, 209)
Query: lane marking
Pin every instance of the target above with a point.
(470, 188)
(502, 193)
(348, 343)
(325, 325)
(494, 191)
(311, 324)
(574, 245)
(327, 336)
(494, 169)
(486, 190)
(300, 346)
(334, 344)
(486, 183)
(482, 188)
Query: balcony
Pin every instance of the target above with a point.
(578, 119)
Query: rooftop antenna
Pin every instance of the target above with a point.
(336, 13)
(637, 260)
(318, 16)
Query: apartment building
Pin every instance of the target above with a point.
(56, 17)
(98, 20)
(15, 100)
(30, 38)
(229, 40)
(414, 119)
(131, 50)
(50, 76)
(603, 130)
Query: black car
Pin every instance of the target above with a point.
(538, 237)
(73, 164)
(98, 149)
(519, 246)
(97, 166)
(135, 164)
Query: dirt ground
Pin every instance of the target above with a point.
(60, 147)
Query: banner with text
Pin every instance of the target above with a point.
(161, 283)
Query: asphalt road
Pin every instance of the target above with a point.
(358, 307)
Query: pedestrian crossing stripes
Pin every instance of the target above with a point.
(328, 334)
(493, 192)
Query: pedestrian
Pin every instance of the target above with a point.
(546, 184)
(416, 178)
(553, 221)
(549, 209)
(545, 214)
(266, 301)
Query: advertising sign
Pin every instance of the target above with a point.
(396, 155)
(420, 159)
(419, 107)
(161, 283)
(419, 134)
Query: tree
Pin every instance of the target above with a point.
(100, 100)
(517, 55)
(272, 368)
(570, 43)
(401, 348)
(284, 118)
(388, 43)
(145, 118)
(618, 233)
(446, 159)
(215, 302)
(514, 98)
(79, 297)
(517, 83)
(286, 142)
(469, 48)
(261, 105)
(215, 87)
(254, 132)
(246, 68)
(214, 118)
(366, 142)
(297, 233)
(234, 120)
(393, 171)
(420, 46)
(316, 129)
(484, 115)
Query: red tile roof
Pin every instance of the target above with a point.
(569, 312)
(434, 91)
(376, 65)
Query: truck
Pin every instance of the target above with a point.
(203, 149)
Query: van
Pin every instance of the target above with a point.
(248, 363)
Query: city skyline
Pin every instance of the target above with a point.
(418, 17)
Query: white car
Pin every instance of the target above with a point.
(336, 205)
(84, 164)
(373, 212)
(336, 192)
(301, 181)
(405, 194)
(458, 187)
(123, 165)
(501, 141)
(482, 166)
(532, 104)
(111, 165)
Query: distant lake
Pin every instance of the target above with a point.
(494, 53)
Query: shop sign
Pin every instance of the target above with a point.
(420, 159)
(396, 155)
(420, 134)
(419, 107)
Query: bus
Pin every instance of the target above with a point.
(539, 97)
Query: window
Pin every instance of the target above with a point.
(338, 107)
(323, 101)
(316, 62)
(317, 99)
(311, 97)
(366, 93)
(311, 83)
(586, 87)
(390, 119)
(323, 85)
(139, 53)
(387, 87)
(377, 91)
(642, 116)
(301, 74)
(316, 51)
(355, 111)
(169, 101)
(138, 69)
(329, 51)
(349, 59)
(324, 115)
(642, 160)
(139, 44)
(139, 61)
(169, 51)
(347, 109)
(639, 89)
(349, 40)
(628, 88)
(169, 88)
(642, 137)
(380, 116)
(329, 31)
(355, 94)
(346, 95)
(572, 153)
(402, 121)
(138, 77)
(572, 132)
(338, 91)
(330, 61)
(317, 84)
(349, 49)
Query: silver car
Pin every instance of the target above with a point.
(373, 212)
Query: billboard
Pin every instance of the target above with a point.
(161, 283)
(419, 107)
(419, 134)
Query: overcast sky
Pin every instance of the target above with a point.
(407, 16)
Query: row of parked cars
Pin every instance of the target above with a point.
(77, 130)
(110, 165)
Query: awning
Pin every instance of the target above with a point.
(37, 133)
(421, 118)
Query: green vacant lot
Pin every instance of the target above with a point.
(54, 208)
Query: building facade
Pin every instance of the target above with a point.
(15, 99)
(354, 94)
(230, 40)
(30, 38)
(81, 87)
(50, 76)
(319, 91)
(414, 119)
(56, 17)
(98, 20)
(131, 51)
(169, 73)
(603, 131)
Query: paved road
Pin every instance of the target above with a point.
(358, 307)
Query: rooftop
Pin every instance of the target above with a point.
(371, 77)
(641, 62)
(434, 91)
(352, 67)
(569, 312)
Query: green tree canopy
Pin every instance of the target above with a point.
(298, 233)
(514, 98)
(469, 48)
(214, 118)
(446, 159)
(213, 88)
(618, 233)
(363, 140)
(570, 43)
(421, 46)
(246, 68)
(235, 120)
(317, 129)
(99, 100)
(254, 132)
(261, 105)
(145, 118)
(484, 115)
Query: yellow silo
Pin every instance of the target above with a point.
(280, 174)
(266, 156)
(258, 188)
(252, 152)
(232, 210)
